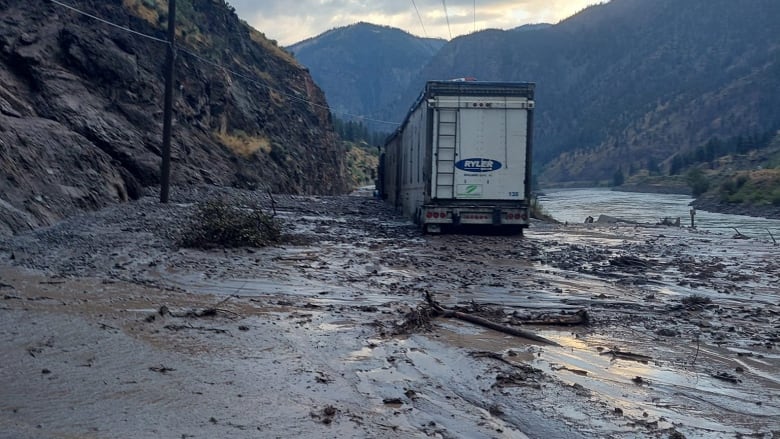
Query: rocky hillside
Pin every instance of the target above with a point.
(81, 108)
(364, 67)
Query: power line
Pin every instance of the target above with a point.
(234, 73)
(420, 17)
(447, 16)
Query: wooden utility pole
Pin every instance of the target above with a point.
(165, 169)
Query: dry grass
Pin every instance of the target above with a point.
(245, 145)
(276, 98)
(260, 39)
(143, 9)
(765, 176)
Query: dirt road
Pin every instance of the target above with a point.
(109, 330)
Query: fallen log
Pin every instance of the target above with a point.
(629, 261)
(616, 353)
(197, 328)
(739, 234)
(444, 312)
(578, 318)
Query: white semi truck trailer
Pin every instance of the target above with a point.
(462, 156)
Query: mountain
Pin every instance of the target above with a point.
(363, 67)
(620, 85)
(632, 82)
(527, 27)
(81, 108)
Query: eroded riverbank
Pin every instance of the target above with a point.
(298, 339)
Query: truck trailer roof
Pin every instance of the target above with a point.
(480, 88)
(435, 88)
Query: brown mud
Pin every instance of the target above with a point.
(109, 330)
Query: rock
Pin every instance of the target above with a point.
(667, 332)
(606, 219)
(81, 114)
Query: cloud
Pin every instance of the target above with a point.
(289, 22)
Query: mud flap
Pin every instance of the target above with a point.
(496, 216)
(432, 228)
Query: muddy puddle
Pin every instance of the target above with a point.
(673, 386)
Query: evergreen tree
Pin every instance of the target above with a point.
(652, 166)
(676, 165)
(698, 182)
(618, 178)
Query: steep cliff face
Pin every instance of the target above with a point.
(81, 108)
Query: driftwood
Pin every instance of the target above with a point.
(739, 234)
(725, 376)
(616, 353)
(578, 318)
(197, 313)
(197, 328)
(771, 236)
(273, 202)
(444, 312)
(574, 371)
(629, 261)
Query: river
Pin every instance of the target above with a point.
(574, 205)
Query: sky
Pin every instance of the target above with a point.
(289, 22)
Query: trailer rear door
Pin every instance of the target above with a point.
(491, 153)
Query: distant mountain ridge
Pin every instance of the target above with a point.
(633, 81)
(362, 67)
(627, 83)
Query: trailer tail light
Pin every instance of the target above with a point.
(437, 214)
(516, 216)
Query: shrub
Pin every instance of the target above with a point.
(618, 178)
(278, 153)
(539, 212)
(698, 182)
(728, 187)
(217, 224)
(696, 299)
(775, 197)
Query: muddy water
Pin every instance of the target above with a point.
(574, 205)
(683, 381)
(302, 342)
(691, 382)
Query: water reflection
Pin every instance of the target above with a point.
(574, 205)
